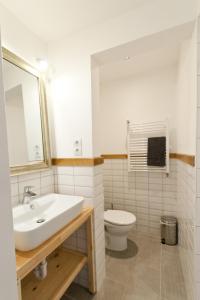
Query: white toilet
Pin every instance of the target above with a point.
(117, 223)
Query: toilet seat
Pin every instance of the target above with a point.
(119, 217)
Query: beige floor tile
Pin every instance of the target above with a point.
(154, 273)
(111, 290)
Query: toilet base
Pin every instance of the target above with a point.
(116, 243)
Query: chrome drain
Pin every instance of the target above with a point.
(40, 220)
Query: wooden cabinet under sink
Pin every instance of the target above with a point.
(63, 265)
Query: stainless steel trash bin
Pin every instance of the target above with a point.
(169, 234)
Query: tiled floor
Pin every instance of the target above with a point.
(154, 273)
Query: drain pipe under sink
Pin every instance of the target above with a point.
(41, 270)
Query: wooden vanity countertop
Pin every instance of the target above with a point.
(27, 261)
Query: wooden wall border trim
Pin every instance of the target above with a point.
(77, 162)
(188, 159)
(114, 156)
(89, 162)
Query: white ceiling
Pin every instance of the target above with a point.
(160, 58)
(151, 52)
(53, 19)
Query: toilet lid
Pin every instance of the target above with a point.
(119, 217)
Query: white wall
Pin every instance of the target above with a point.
(96, 117)
(21, 41)
(71, 103)
(158, 94)
(142, 98)
(71, 84)
(186, 98)
(8, 286)
(18, 39)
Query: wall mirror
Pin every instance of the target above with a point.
(26, 115)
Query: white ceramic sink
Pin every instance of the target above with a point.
(33, 226)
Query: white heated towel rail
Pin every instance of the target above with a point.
(137, 144)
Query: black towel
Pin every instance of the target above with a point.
(156, 151)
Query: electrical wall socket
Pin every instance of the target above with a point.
(78, 147)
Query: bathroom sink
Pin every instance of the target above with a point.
(36, 222)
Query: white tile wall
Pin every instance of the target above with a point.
(87, 182)
(186, 192)
(146, 194)
(78, 241)
(42, 182)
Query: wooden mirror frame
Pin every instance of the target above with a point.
(46, 163)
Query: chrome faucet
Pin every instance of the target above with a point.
(28, 195)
